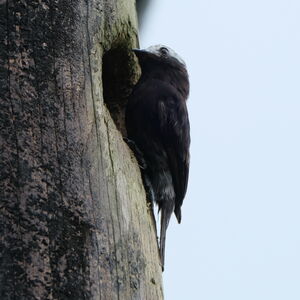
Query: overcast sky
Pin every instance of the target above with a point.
(240, 232)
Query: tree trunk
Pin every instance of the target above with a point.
(74, 223)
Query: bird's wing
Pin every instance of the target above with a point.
(175, 130)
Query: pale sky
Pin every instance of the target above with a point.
(240, 232)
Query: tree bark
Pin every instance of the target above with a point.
(74, 223)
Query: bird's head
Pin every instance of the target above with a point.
(161, 62)
(161, 55)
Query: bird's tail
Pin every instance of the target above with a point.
(165, 218)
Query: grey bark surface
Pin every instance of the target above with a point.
(74, 223)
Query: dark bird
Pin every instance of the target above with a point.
(157, 123)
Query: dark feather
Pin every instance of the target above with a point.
(157, 121)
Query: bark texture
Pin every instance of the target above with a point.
(74, 223)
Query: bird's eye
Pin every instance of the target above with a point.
(164, 51)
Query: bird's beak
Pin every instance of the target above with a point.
(135, 50)
(141, 54)
(139, 51)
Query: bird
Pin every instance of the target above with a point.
(158, 126)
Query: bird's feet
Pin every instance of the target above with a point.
(137, 152)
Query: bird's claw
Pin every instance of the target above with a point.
(137, 152)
